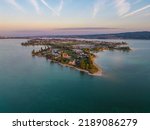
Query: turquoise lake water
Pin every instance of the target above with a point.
(32, 84)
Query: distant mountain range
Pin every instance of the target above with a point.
(144, 35)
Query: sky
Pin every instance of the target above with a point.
(59, 17)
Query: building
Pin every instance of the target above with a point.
(55, 52)
(66, 56)
(72, 62)
(78, 51)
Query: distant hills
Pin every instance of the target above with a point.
(144, 35)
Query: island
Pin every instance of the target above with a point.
(79, 54)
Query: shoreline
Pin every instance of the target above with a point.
(98, 73)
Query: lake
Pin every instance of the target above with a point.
(33, 84)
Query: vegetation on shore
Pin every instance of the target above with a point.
(75, 53)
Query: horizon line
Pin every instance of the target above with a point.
(76, 34)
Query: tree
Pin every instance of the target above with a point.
(61, 57)
(90, 61)
(33, 52)
(87, 66)
(82, 64)
(86, 50)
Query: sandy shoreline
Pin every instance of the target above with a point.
(99, 73)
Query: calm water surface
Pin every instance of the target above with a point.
(32, 84)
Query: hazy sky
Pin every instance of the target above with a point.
(74, 16)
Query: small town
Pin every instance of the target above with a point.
(79, 54)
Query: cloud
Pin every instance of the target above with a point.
(50, 8)
(122, 6)
(36, 6)
(137, 11)
(60, 7)
(88, 28)
(16, 5)
(99, 4)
